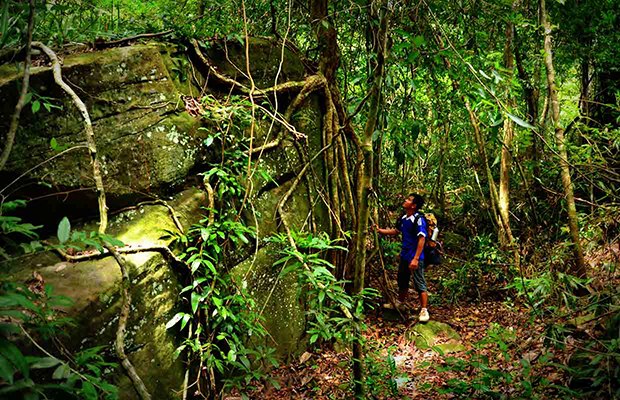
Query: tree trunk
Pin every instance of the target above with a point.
(580, 266)
(366, 183)
(509, 126)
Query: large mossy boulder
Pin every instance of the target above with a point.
(146, 141)
(149, 144)
(94, 285)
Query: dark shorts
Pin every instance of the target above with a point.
(404, 276)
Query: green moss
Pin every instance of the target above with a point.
(277, 299)
(435, 334)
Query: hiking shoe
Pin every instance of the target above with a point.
(390, 306)
(424, 317)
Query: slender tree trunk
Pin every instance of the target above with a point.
(10, 136)
(580, 266)
(509, 126)
(366, 183)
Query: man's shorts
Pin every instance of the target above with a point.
(404, 275)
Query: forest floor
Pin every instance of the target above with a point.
(421, 374)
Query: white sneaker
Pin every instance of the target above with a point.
(424, 317)
(390, 306)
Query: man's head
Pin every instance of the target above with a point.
(414, 202)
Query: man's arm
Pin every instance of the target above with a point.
(389, 232)
(416, 259)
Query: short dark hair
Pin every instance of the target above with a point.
(418, 200)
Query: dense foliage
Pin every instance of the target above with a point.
(467, 116)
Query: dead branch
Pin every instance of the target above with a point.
(103, 45)
(121, 250)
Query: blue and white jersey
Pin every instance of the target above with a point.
(412, 227)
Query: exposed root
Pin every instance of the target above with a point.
(90, 136)
(283, 87)
(121, 250)
(311, 84)
(280, 212)
(122, 325)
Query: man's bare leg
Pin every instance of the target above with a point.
(402, 295)
(423, 299)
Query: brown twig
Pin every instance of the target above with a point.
(102, 45)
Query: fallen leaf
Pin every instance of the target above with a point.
(60, 267)
(304, 357)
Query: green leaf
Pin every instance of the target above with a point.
(62, 372)
(195, 265)
(13, 314)
(46, 362)
(31, 396)
(6, 370)
(174, 320)
(36, 106)
(53, 144)
(10, 351)
(17, 386)
(186, 319)
(64, 229)
(242, 237)
(419, 41)
(89, 390)
(211, 266)
(29, 95)
(195, 301)
(520, 122)
(208, 141)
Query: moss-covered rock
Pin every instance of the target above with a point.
(435, 335)
(145, 140)
(229, 56)
(155, 286)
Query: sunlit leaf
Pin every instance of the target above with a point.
(520, 122)
(64, 229)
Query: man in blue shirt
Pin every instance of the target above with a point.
(412, 225)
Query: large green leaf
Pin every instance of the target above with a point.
(89, 390)
(6, 370)
(64, 229)
(12, 353)
(45, 362)
(520, 122)
(195, 301)
(174, 320)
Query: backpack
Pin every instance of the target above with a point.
(432, 248)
